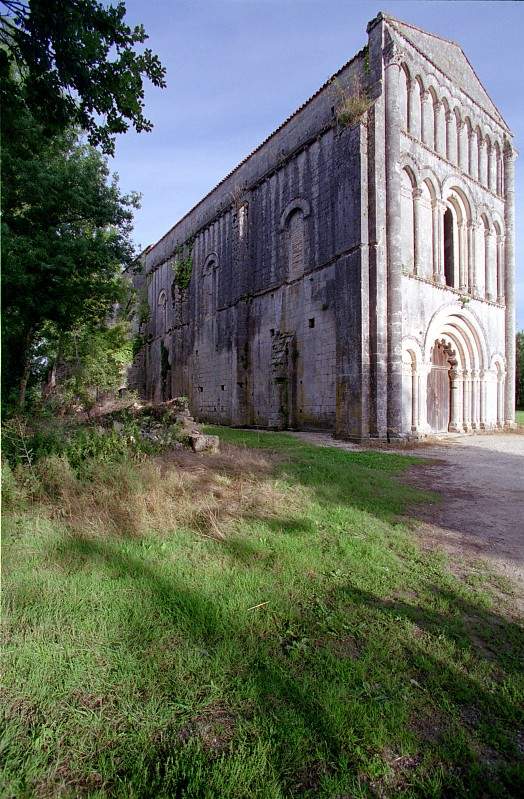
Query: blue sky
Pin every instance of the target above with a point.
(237, 68)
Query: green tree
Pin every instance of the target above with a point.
(84, 362)
(65, 238)
(75, 63)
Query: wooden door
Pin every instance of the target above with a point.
(439, 390)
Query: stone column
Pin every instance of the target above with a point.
(463, 265)
(392, 60)
(455, 415)
(414, 399)
(435, 222)
(477, 241)
(451, 134)
(426, 121)
(509, 223)
(473, 154)
(483, 162)
(491, 264)
(492, 169)
(423, 426)
(475, 402)
(501, 297)
(417, 248)
(440, 128)
(500, 399)
(441, 210)
(466, 378)
(414, 109)
(482, 392)
(462, 136)
(471, 258)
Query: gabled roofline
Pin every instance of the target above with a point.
(390, 18)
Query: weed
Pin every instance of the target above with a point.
(350, 104)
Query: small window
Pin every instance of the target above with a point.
(449, 254)
(200, 388)
(222, 388)
(272, 332)
(312, 323)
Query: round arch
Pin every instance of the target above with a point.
(297, 204)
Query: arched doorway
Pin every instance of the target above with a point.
(439, 387)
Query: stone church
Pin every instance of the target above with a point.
(355, 272)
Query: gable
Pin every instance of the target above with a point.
(449, 58)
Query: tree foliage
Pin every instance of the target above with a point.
(87, 360)
(66, 234)
(75, 62)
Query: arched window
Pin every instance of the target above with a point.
(428, 221)
(489, 162)
(472, 149)
(485, 265)
(295, 244)
(449, 247)
(162, 313)
(448, 137)
(498, 160)
(404, 97)
(407, 216)
(481, 157)
(500, 290)
(458, 125)
(415, 120)
(430, 133)
(209, 285)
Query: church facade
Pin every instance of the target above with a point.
(356, 272)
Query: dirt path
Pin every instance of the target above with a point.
(481, 515)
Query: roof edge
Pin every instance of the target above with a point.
(326, 83)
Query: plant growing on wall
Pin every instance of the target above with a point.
(183, 264)
(350, 103)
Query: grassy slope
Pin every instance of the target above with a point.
(137, 664)
(519, 416)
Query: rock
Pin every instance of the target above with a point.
(118, 426)
(202, 443)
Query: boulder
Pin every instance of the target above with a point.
(202, 443)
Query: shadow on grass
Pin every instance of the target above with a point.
(333, 679)
(293, 675)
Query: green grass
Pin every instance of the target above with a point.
(519, 416)
(314, 651)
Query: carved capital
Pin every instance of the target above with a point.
(417, 193)
(509, 151)
(393, 55)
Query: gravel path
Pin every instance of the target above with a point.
(481, 515)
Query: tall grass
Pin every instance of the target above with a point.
(258, 623)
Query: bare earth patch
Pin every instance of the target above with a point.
(480, 512)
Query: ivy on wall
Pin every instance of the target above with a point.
(183, 264)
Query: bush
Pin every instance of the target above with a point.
(13, 494)
(25, 446)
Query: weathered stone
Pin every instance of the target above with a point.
(202, 443)
(354, 273)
